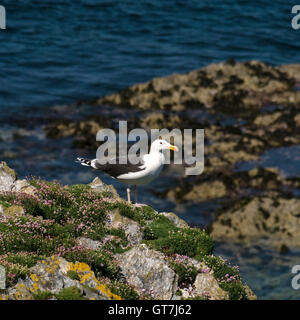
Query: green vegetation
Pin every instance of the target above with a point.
(42, 295)
(123, 290)
(73, 275)
(71, 293)
(186, 273)
(191, 242)
(55, 216)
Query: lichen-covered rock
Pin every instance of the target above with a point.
(88, 243)
(131, 228)
(175, 219)
(23, 186)
(55, 274)
(148, 270)
(9, 181)
(205, 283)
(11, 212)
(7, 177)
(274, 218)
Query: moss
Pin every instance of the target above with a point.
(187, 241)
(71, 293)
(159, 228)
(147, 213)
(126, 210)
(178, 293)
(42, 295)
(73, 275)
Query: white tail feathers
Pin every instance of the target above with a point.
(87, 162)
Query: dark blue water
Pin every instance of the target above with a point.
(60, 51)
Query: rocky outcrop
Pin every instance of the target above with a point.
(8, 178)
(9, 181)
(226, 87)
(98, 186)
(274, 218)
(92, 241)
(206, 283)
(51, 277)
(131, 228)
(148, 271)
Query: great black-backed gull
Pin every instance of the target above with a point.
(135, 174)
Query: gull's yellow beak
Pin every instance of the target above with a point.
(174, 148)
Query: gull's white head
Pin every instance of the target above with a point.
(160, 145)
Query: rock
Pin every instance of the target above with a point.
(274, 218)
(215, 189)
(11, 212)
(53, 275)
(175, 219)
(221, 86)
(23, 186)
(9, 182)
(98, 186)
(147, 270)
(250, 294)
(131, 228)
(205, 283)
(88, 243)
(7, 177)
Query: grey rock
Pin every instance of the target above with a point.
(131, 228)
(206, 283)
(148, 270)
(7, 177)
(88, 243)
(98, 186)
(180, 223)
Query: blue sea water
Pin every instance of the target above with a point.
(58, 51)
(62, 51)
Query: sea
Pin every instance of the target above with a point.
(58, 52)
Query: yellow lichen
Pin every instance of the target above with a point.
(85, 273)
(34, 277)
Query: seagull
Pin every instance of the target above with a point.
(135, 174)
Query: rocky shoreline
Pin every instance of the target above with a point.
(84, 242)
(246, 109)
